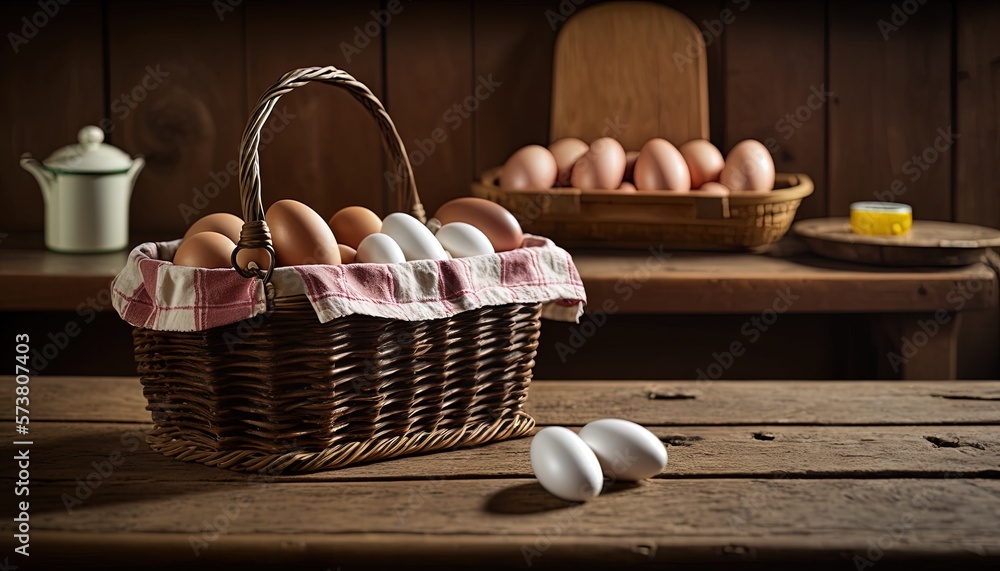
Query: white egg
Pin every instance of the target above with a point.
(463, 240)
(564, 465)
(416, 241)
(627, 452)
(379, 249)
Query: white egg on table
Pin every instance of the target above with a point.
(463, 240)
(627, 452)
(379, 249)
(416, 241)
(564, 465)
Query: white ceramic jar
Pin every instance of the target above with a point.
(87, 189)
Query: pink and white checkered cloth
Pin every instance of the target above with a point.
(153, 293)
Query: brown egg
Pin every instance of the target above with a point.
(353, 224)
(602, 168)
(712, 189)
(661, 166)
(490, 218)
(300, 236)
(347, 254)
(704, 161)
(205, 250)
(630, 158)
(748, 167)
(627, 187)
(222, 222)
(566, 152)
(530, 168)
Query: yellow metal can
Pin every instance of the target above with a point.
(881, 218)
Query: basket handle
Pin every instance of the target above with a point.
(255, 234)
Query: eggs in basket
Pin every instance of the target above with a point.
(461, 228)
(696, 166)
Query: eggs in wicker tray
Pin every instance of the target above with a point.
(695, 166)
(463, 227)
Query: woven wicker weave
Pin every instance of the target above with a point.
(284, 393)
(687, 221)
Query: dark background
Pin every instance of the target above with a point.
(893, 90)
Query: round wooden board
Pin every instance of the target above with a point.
(929, 243)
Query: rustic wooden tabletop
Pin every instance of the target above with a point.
(835, 475)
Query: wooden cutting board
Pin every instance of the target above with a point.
(632, 71)
(929, 243)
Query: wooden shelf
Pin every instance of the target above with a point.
(33, 278)
(721, 283)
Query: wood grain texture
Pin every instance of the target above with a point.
(916, 347)
(631, 71)
(707, 16)
(794, 347)
(977, 200)
(766, 494)
(776, 89)
(763, 402)
(966, 505)
(562, 551)
(892, 103)
(433, 96)
(38, 279)
(53, 84)
(329, 155)
(514, 41)
(70, 449)
(636, 282)
(928, 243)
(676, 520)
(925, 234)
(977, 107)
(189, 125)
(681, 403)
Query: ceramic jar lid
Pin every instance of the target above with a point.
(89, 156)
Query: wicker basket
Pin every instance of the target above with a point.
(289, 394)
(680, 220)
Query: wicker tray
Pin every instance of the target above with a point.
(289, 394)
(680, 220)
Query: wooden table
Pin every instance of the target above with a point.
(809, 474)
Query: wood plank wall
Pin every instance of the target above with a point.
(849, 92)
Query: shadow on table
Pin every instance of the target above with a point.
(78, 471)
(532, 498)
(840, 265)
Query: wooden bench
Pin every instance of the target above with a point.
(817, 474)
